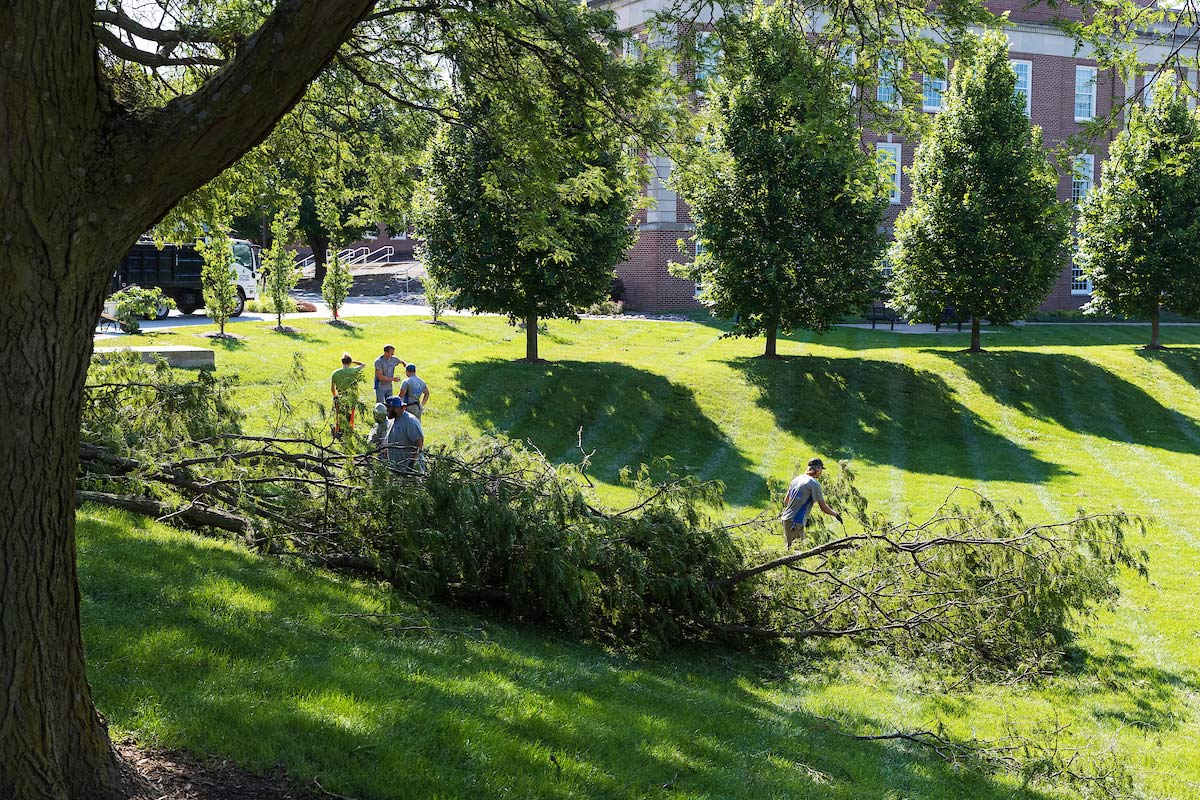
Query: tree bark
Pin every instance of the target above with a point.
(531, 339)
(772, 335)
(320, 247)
(80, 179)
(1154, 319)
(975, 341)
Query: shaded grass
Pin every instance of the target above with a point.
(202, 646)
(1054, 418)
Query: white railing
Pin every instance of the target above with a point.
(353, 256)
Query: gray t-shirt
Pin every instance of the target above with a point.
(403, 434)
(411, 389)
(803, 493)
(386, 365)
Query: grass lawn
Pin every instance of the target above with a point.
(202, 646)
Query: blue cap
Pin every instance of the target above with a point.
(393, 402)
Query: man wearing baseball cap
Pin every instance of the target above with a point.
(802, 493)
(404, 436)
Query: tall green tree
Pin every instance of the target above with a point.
(787, 203)
(278, 264)
(218, 277)
(528, 199)
(1139, 229)
(985, 233)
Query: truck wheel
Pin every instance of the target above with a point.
(241, 303)
(186, 309)
(162, 310)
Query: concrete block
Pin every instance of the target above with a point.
(177, 355)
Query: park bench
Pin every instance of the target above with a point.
(948, 316)
(878, 312)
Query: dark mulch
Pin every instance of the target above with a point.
(174, 775)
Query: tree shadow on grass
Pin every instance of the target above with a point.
(1183, 361)
(215, 651)
(883, 412)
(628, 415)
(1079, 396)
(1133, 692)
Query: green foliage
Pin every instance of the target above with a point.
(786, 202)
(280, 265)
(336, 286)
(134, 303)
(527, 202)
(438, 296)
(1138, 228)
(985, 233)
(218, 276)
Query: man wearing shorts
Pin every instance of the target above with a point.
(803, 492)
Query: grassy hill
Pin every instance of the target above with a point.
(247, 659)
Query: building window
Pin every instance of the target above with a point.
(888, 155)
(1085, 93)
(708, 53)
(849, 61)
(933, 89)
(886, 90)
(1149, 82)
(1082, 177)
(1079, 283)
(632, 48)
(699, 284)
(1024, 87)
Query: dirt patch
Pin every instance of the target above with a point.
(219, 335)
(175, 775)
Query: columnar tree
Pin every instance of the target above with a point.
(985, 233)
(787, 203)
(278, 263)
(1139, 228)
(218, 279)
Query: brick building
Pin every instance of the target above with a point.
(1063, 91)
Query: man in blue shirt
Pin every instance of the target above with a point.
(802, 493)
(404, 436)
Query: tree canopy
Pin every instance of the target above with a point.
(985, 234)
(1139, 228)
(528, 198)
(787, 202)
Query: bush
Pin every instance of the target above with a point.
(604, 308)
(134, 303)
(266, 306)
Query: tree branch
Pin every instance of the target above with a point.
(128, 52)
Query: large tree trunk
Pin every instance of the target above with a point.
(80, 178)
(1154, 318)
(531, 342)
(975, 347)
(53, 744)
(772, 335)
(320, 247)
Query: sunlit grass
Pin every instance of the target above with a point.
(206, 647)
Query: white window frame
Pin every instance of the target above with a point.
(1149, 83)
(1083, 177)
(1012, 62)
(926, 80)
(1088, 91)
(632, 48)
(1079, 284)
(699, 285)
(891, 82)
(895, 153)
(849, 59)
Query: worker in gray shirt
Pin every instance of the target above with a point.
(414, 391)
(803, 492)
(405, 439)
(385, 373)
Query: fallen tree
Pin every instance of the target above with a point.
(492, 523)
